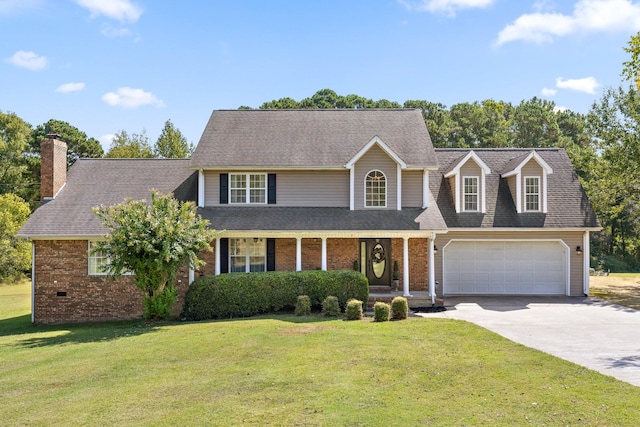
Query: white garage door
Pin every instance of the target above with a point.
(505, 267)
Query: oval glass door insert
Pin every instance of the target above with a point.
(379, 260)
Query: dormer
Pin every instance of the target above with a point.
(376, 177)
(468, 183)
(527, 179)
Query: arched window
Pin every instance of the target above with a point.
(375, 190)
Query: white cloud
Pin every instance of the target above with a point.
(559, 109)
(121, 10)
(115, 32)
(587, 84)
(548, 92)
(588, 16)
(28, 60)
(448, 7)
(131, 98)
(70, 87)
(106, 140)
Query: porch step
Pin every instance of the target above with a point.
(417, 299)
(379, 289)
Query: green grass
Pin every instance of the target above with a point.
(294, 371)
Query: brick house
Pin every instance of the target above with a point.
(326, 189)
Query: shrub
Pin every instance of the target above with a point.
(399, 308)
(331, 306)
(160, 305)
(381, 311)
(354, 309)
(247, 294)
(303, 306)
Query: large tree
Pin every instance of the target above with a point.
(134, 146)
(78, 143)
(152, 241)
(14, 142)
(15, 254)
(172, 144)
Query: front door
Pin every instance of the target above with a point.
(375, 260)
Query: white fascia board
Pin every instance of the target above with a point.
(62, 237)
(465, 159)
(520, 229)
(383, 146)
(533, 155)
(342, 234)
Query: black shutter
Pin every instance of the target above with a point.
(224, 255)
(224, 188)
(271, 254)
(271, 189)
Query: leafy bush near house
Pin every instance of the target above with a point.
(160, 305)
(399, 308)
(247, 294)
(381, 311)
(303, 306)
(331, 306)
(354, 309)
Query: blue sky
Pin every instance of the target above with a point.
(107, 65)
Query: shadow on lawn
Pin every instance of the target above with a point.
(83, 333)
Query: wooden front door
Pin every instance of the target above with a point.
(375, 260)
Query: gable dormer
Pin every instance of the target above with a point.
(467, 180)
(527, 179)
(376, 177)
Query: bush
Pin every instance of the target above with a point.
(331, 306)
(247, 294)
(354, 309)
(381, 311)
(303, 306)
(159, 306)
(399, 308)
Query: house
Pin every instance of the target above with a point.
(326, 189)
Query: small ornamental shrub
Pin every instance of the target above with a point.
(160, 305)
(303, 306)
(381, 311)
(399, 308)
(354, 309)
(331, 306)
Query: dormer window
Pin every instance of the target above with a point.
(471, 193)
(532, 193)
(247, 187)
(375, 192)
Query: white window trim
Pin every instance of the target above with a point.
(386, 190)
(247, 189)
(524, 195)
(91, 256)
(247, 254)
(477, 194)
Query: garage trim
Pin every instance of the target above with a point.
(567, 290)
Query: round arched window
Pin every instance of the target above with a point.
(375, 191)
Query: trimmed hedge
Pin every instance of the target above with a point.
(354, 309)
(331, 307)
(381, 311)
(399, 308)
(247, 294)
(303, 306)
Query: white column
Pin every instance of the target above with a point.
(352, 190)
(585, 262)
(432, 269)
(324, 254)
(298, 253)
(399, 187)
(405, 267)
(201, 188)
(425, 188)
(217, 271)
(192, 275)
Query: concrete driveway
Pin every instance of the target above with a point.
(596, 334)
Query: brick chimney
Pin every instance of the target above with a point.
(53, 166)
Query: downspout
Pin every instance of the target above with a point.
(432, 270)
(586, 251)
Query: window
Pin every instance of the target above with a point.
(97, 262)
(247, 255)
(470, 193)
(532, 193)
(247, 188)
(375, 195)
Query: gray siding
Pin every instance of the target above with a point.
(376, 159)
(412, 189)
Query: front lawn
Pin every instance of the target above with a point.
(619, 288)
(286, 370)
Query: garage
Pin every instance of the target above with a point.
(504, 267)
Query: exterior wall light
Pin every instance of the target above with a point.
(578, 250)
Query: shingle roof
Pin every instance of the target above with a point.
(94, 182)
(309, 138)
(320, 219)
(568, 206)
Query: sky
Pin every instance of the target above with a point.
(110, 65)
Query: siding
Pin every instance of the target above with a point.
(412, 189)
(570, 238)
(295, 188)
(377, 159)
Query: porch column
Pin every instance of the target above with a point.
(217, 271)
(324, 254)
(585, 262)
(432, 269)
(405, 267)
(298, 253)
